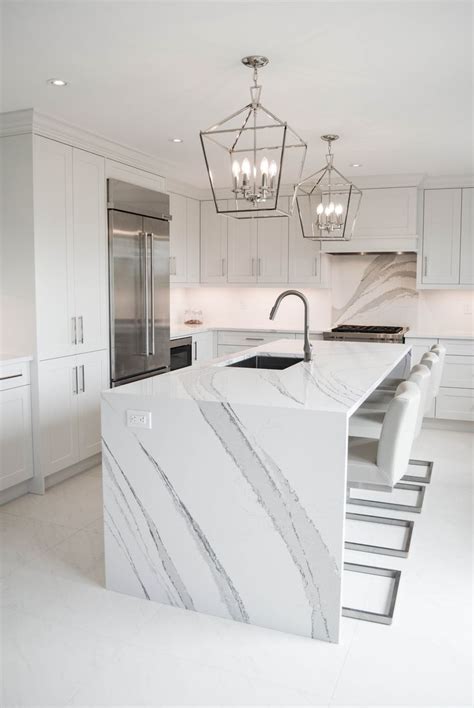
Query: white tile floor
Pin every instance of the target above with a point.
(67, 641)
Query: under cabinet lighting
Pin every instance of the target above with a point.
(57, 82)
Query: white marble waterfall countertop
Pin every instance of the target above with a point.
(338, 379)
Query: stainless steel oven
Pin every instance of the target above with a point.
(181, 352)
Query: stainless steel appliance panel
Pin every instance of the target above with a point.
(158, 242)
(127, 197)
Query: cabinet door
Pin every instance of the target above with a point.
(90, 249)
(272, 261)
(16, 453)
(203, 347)
(54, 255)
(304, 256)
(467, 237)
(193, 240)
(58, 394)
(242, 250)
(178, 228)
(387, 213)
(441, 236)
(92, 379)
(213, 245)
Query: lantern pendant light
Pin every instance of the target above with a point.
(327, 203)
(249, 155)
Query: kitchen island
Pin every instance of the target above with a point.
(225, 487)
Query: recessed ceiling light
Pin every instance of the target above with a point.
(176, 140)
(356, 164)
(57, 82)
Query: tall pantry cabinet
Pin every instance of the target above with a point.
(71, 300)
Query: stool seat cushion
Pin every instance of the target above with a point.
(362, 469)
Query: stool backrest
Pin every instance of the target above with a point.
(440, 351)
(433, 362)
(421, 376)
(398, 432)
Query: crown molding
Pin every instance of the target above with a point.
(448, 181)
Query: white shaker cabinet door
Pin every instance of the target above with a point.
(242, 250)
(90, 249)
(16, 454)
(193, 240)
(92, 379)
(203, 347)
(272, 261)
(304, 255)
(58, 396)
(467, 237)
(54, 248)
(441, 236)
(213, 245)
(178, 235)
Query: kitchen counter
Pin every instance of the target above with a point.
(229, 498)
(179, 331)
(10, 358)
(432, 334)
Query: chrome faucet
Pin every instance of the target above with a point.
(307, 344)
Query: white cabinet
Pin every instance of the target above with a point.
(441, 236)
(193, 240)
(54, 244)
(203, 347)
(90, 250)
(69, 404)
(272, 248)
(16, 446)
(305, 258)
(178, 232)
(213, 245)
(70, 249)
(467, 237)
(242, 250)
(387, 221)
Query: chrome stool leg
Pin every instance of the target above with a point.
(393, 506)
(367, 615)
(382, 550)
(424, 479)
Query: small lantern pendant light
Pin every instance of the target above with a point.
(248, 155)
(327, 202)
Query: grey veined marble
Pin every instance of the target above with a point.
(233, 503)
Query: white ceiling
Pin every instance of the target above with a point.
(393, 78)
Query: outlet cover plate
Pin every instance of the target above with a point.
(139, 419)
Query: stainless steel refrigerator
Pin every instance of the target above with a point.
(138, 222)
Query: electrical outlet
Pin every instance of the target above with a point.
(139, 419)
(467, 308)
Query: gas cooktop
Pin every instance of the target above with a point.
(376, 333)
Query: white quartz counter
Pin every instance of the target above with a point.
(11, 358)
(179, 331)
(339, 378)
(432, 334)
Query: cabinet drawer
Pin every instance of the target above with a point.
(458, 372)
(16, 453)
(455, 404)
(14, 375)
(250, 339)
(223, 349)
(458, 347)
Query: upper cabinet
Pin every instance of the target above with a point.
(306, 265)
(386, 222)
(446, 253)
(213, 245)
(70, 249)
(184, 239)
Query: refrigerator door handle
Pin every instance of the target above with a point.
(152, 291)
(147, 294)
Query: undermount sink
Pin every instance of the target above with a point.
(263, 361)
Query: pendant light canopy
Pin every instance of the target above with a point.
(327, 203)
(249, 155)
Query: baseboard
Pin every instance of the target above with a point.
(18, 490)
(63, 475)
(461, 426)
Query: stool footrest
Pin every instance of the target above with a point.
(393, 506)
(424, 479)
(381, 550)
(367, 615)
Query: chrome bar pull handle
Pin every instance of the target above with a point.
(147, 295)
(74, 380)
(223, 266)
(195, 351)
(315, 266)
(81, 329)
(152, 292)
(425, 265)
(74, 329)
(259, 271)
(83, 379)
